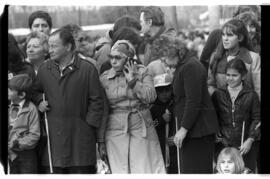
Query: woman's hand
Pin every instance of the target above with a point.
(245, 148)
(129, 70)
(180, 136)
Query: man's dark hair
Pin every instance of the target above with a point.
(66, 37)
(155, 14)
(40, 14)
(125, 21)
(73, 28)
(127, 33)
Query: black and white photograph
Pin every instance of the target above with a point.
(131, 89)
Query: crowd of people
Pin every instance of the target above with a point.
(143, 98)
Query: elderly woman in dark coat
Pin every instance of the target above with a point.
(197, 121)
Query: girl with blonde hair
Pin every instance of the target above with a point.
(230, 161)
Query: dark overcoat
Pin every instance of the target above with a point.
(76, 107)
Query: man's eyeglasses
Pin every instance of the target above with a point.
(117, 57)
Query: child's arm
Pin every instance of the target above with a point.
(255, 117)
(30, 139)
(253, 129)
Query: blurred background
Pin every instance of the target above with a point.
(98, 19)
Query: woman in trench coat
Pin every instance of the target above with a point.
(131, 141)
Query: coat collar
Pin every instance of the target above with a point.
(24, 107)
(54, 67)
(75, 64)
(246, 88)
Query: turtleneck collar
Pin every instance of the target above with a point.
(234, 91)
(237, 88)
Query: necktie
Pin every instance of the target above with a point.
(14, 111)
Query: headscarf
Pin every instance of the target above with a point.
(125, 47)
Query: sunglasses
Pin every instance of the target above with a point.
(117, 57)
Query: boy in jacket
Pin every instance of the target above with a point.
(162, 113)
(24, 127)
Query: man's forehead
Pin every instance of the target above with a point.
(39, 20)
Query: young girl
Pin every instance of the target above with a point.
(230, 161)
(235, 43)
(238, 110)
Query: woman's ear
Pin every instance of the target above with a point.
(244, 77)
(22, 95)
(69, 47)
(240, 38)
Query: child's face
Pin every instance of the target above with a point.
(227, 166)
(13, 95)
(164, 94)
(233, 77)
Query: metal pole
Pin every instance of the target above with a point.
(48, 138)
(8, 167)
(178, 155)
(167, 150)
(243, 133)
